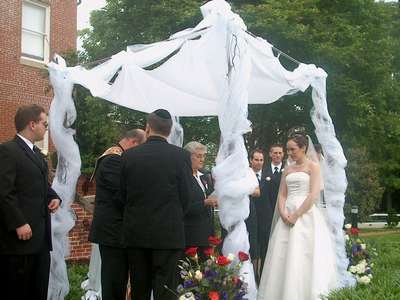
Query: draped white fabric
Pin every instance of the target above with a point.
(61, 116)
(217, 68)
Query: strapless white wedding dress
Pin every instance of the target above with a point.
(300, 262)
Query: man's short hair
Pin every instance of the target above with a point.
(258, 150)
(26, 114)
(160, 122)
(276, 145)
(136, 134)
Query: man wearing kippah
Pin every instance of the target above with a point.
(156, 188)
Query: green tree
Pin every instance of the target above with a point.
(364, 188)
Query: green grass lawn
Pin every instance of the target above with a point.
(384, 286)
(386, 282)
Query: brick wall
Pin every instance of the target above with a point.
(79, 246)
(21, 84)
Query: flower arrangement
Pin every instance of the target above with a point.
(217, 278)
(360, 256)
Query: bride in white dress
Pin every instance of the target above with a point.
(300, 262)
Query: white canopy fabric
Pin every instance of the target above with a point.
(216, 68)
(199, 71)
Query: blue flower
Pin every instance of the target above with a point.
(210, 274)
(188, 284)
(224, 295)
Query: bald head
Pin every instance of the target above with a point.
(132, 138)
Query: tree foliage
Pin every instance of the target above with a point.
(364, 189)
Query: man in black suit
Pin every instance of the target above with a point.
(106, 229)
(26, 200)
(269, 188)
(156, 180)
(256, 164)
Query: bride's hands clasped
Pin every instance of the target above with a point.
(292, 219)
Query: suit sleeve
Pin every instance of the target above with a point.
(51, 194)
(186, 183)
(10, 213)
(110, 173)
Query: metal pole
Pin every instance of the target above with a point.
(354, 216)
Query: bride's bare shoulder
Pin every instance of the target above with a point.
(313, 165)
(288, 169)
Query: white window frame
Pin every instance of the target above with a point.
(35, 62)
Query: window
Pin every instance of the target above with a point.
(35, 31)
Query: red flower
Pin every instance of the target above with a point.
(354, 231)
(191, 252)
(213, 295)
(209, 251)
(243, 256)
(235, 280)
(223, 261)
(213, 240)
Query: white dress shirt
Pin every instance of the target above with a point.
(28, 142)
(277, 166)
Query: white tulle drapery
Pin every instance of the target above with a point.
(216, 68)
(62, 115)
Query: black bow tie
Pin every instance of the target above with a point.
(276, 170)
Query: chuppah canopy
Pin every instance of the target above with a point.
(216, 68)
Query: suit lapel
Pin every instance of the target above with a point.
(30, 154)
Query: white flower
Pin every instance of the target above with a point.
(353, 269)
(282, 170)
(346, 237)
(187, 296)
(198, 275)
(231, 257)
(364, 280)
(363, 246)
(347, 226)
(360, 268)
(268, 178)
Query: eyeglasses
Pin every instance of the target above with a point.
(199, 155)
(45, 124)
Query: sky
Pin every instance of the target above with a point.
(84, 10)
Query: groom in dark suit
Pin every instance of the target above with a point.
(26, 200)
(269, 188)
(156, 181)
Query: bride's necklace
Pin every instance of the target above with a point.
(300, 164)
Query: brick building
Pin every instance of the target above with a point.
(31, 31)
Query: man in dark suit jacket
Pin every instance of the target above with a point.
(269, 188)
(156, 180)
(106, 229)
(256, 163)
(26, 200)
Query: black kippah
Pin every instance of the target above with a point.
(163, 114)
